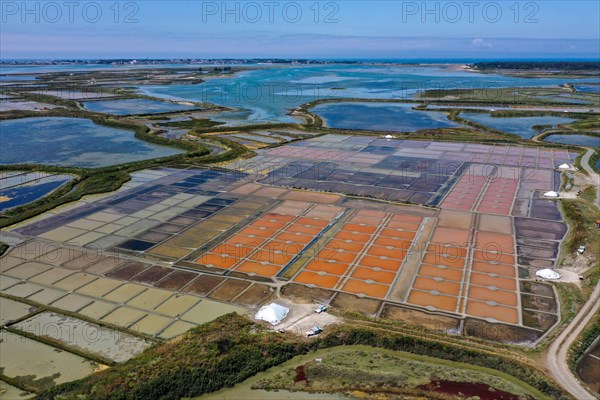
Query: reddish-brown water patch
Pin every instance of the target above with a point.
(203, 284)
(176, 280)
(152, 274)
(229, 289)
(469, 390)
(300, 375)
(127, 270)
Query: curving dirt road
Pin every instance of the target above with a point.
(557, 353)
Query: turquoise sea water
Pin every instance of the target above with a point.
(72, 142)
(268, 94)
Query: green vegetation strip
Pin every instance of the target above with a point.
(3, 248)
(231, 349)
(581, 214)
(531, 96)
(539, 65)
(374, 370)
(19, 384)
(587, 338)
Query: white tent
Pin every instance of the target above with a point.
(551, 194)
(564, 166)
(272, 313)
(548, 274)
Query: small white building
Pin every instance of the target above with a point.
(272, 313)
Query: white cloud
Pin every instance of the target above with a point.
(481, 43)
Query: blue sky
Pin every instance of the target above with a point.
(303, 29)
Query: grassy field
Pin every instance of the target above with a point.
(531, 96)
(193, 124)
(376, 372)
(581, 215)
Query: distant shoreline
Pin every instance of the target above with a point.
(269, 61)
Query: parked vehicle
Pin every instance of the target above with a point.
(314, 331)
(321, 309)
(581, 249)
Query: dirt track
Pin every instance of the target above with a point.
(558, 351)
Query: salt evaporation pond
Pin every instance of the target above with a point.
(577, 140)
(86, 336)
(522, 126)
(72, 142)
(18, 188)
